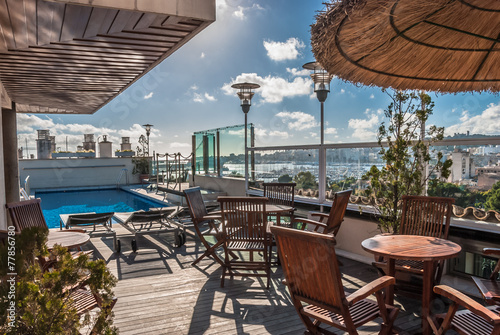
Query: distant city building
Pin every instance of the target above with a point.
(88, 142)
(125, 145)
(44, 144)
(463, 166)
(52, 143)
(105, 147)
(487, 176)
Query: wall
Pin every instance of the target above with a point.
(57, 173)
(232, 186)
(352, 232)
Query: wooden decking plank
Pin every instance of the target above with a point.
(188, 300)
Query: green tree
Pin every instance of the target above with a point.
(305, 180)
(285, 178)
(463, 196)
(235, 174)
(493, 199)
(405, 154)
(42, 303)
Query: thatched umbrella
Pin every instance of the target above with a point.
(436, 45)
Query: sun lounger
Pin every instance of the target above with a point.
(100, 223)
(154, 221)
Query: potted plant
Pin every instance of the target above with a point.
(409, 162)
(124, 153)
(42, 303)
(141, 167)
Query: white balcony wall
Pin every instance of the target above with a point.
(81, 172)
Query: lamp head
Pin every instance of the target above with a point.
(147, 126)
(245, 94)
(321, 80)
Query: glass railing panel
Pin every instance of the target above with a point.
(345, 168)
(294, 165)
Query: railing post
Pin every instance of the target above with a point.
(322, 174)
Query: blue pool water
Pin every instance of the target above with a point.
(102, 201)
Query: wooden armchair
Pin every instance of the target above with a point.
(245, 230)
(425, 216)
(315, 284)
(490, 288)
(475, 319)
(281, 194)
(28, 214)
(327, 223)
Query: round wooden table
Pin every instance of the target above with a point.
(68, 239)
(413, 247)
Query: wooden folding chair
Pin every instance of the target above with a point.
(426, 216)
(327, 223)
(281, 194)
(245, 230)
(28, 214)
(205, 224)
(315, 284)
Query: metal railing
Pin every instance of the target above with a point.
(320, 153)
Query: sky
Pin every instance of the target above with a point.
(260, 41)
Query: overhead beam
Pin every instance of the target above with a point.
(197, 9)
(6, 101)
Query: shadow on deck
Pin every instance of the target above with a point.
(159, 292)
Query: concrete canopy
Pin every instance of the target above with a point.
(74, 56)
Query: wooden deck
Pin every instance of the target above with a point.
(159, 292)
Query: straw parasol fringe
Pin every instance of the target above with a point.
(440, 45)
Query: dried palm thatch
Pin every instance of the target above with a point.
(436, 45)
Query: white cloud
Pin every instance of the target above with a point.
(28, 123)
(264, 136)
(148, 96)
(342, 91)
(279, 51)
(239, 132)
(365, 129)
(296, 72)
(237, 11)
(179, 145)
(194, 87)
(277, 133)
(273, 89)
(197, 97)
(210, 97)
(485, 123)
(298, 120)
(372, 96)
(465, 116)
(330, 131)
(202, 55)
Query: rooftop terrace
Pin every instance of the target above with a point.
(159, 292)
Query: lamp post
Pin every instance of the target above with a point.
(147, 126)
(321, 80)
(245, 94)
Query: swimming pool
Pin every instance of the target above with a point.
(101, 201)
